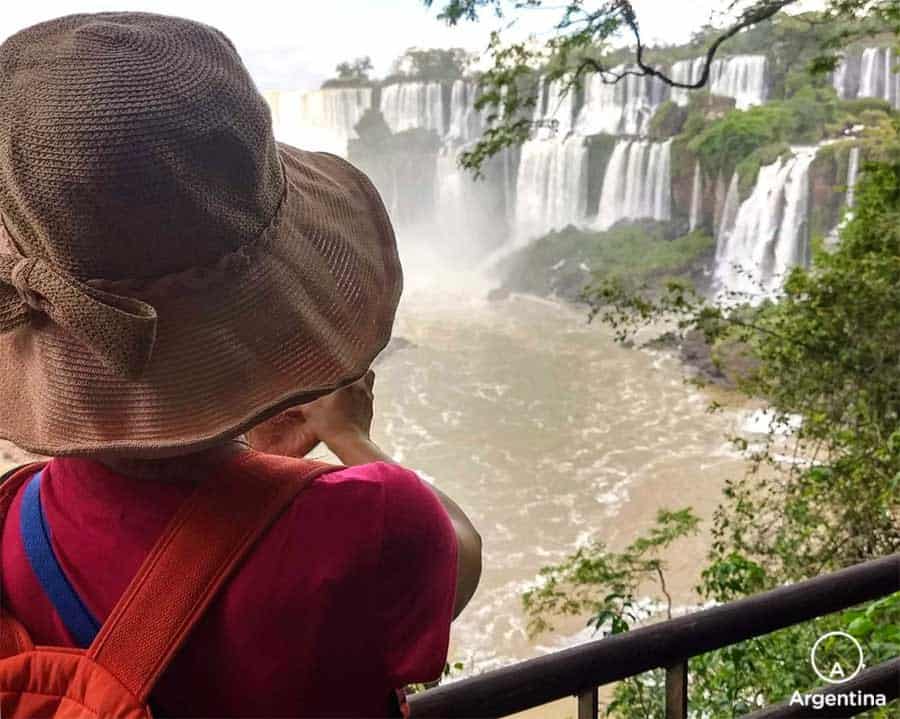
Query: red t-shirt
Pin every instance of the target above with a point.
(348, 596)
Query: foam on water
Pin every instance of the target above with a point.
(547, 433)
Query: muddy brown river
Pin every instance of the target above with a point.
(548, 434)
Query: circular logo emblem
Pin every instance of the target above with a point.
(836, 657)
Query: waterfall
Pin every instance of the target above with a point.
(852, 176)
(770, 233)
(877, 76)
(870, 74)
(742, 77)
(623, 108)
(846, 77)
(696, 198)
(466, 123)
(470, 215)
(687, 72)
(637, 184)
(413, 105)
(319, 120)
(729, 211)
(551, 188)
(558, 105)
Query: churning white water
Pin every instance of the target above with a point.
(547, 433)
(637, 184)
(770, 234)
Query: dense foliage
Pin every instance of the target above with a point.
(431, 64)
(563, 262)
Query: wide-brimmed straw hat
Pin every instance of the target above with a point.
(169, 274)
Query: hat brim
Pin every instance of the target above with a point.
(301, 311)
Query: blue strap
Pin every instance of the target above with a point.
(36, 538)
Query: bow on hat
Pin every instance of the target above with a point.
(120, 331)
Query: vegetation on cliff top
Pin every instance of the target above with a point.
(642, 255)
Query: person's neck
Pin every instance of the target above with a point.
(172, 468)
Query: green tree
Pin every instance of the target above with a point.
(432, 63)
(355, 70)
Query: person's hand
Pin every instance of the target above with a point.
(342, 416)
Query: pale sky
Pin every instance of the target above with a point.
(295, 45)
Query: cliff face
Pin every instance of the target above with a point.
(828, 177)
(665, 162)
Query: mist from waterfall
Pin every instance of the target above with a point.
(637, 184)
(770, 234)
(324, 119)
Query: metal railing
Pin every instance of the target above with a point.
(669, 645)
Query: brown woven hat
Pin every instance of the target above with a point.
(169, 274)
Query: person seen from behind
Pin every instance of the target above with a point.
(187, 308)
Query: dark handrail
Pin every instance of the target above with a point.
(573, 671)
(883, 679)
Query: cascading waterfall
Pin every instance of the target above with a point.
(686, 72)
(877, 77)
(623, 108)
(551, 188)
(870, 74)
(730, 208)
(770, 234)
(834, 237)
(846, 77)
(466, 123)
(413, 105)
(852, 176)
(742, 77)
(321, 119)
(696, 199)
(557, 105)
(637, 184)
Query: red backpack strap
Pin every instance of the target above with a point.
(10, 482)
(203, 543)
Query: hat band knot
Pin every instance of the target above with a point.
(19, 279)
(120, 331)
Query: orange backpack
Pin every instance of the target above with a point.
(202, 544)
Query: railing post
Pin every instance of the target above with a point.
(589, 704)
(677, 690)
